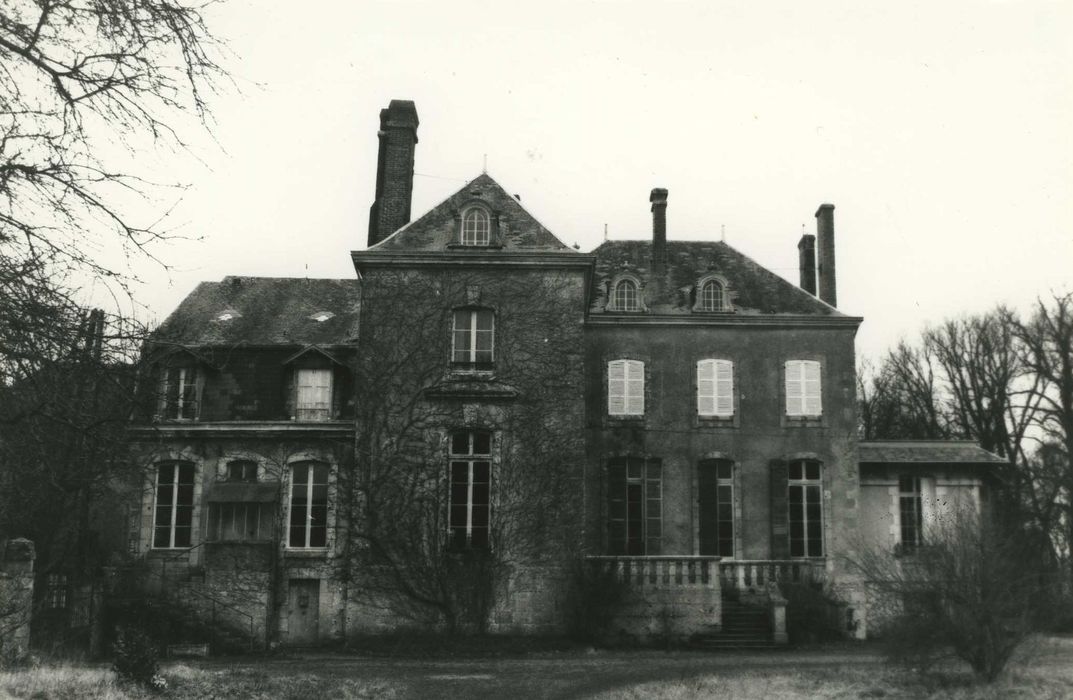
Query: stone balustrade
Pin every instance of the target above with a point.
(660, 571)
(756, 574)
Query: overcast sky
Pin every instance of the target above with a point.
(940, 131)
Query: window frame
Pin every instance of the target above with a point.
(261, 532)
(806, 485)
(311, 409)
(473, 460)
(187, 379)
(715, 414)
(633, 371)
(915, 497)
(724, 474)
(172, 525)
(464, 234)
(472, 338)
(801, 412)
(645, 481)
(308, 527)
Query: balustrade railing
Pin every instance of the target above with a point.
(744, 574)
(660, 571)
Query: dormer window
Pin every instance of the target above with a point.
(476, 227)
(712, 296)
(314, 396)
(178, 393)
(228, 315)
(625, 295)
(321, 316)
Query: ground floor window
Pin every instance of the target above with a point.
(470, 489)
(805, 509)
(910, 512)
(308, 505)
(716, 485)
(174, 517)
(634, 506)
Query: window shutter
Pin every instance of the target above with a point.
(635, 388)
(707, 484)
(794, 387)
(616, 387)
(616, 506)
(811, 386)
(653, 507)
(780, 532)
(724, 388)
(706, 388)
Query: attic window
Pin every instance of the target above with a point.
(322, 316)
(713, 294)
(228, 315)
(476, 227)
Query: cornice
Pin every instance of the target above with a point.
(767, 321)
(240, 429)
(476, 258)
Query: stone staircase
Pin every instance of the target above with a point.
(745, 627)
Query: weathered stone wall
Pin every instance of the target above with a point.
(16, 597)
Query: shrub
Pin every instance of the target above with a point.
(596, 595)
(813, 613)
(135, 657)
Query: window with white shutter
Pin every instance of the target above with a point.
(715, 388)
(626, 388)
(803, 388)
(314, 400)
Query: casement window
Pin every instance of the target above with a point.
(473, 337)
(236, 522)
(308, 506)
(241, 470)
(313, 401)
(56, 591)
(805, 517)
(625, 296)
(178, 393)
(715, 388)
(626, 388)
(174, 513)
(634, 506)
(470, 467)
(910, 512)
(803, 388)
(712, 296)
(476, 227)
(715, 480)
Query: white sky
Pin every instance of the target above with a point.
(940, 130)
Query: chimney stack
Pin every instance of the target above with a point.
(659, 225)
(806, 255)
(825, 259)
(394, 170)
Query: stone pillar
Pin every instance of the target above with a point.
(16, 596)
(778, 614)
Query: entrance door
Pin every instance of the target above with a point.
(303, 611)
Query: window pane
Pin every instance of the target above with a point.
(482, 443)
(812, 470)
(460, 443)
(796, 471)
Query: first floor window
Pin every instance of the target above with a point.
(174, 517)
(626, 388)
(470, 489)
(715, 388)
(314, 399)
(178, 393)
(803, 388)
(634, 506)
(910, 512)
(236, 522)
(716, 484)
(309, 505)
(806, 510)
(473, 337)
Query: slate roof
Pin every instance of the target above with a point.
(437, 230)
(752, 288)
(267, 311)
(925, 452)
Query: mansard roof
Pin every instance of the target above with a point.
(265, 311)
(753, 290)
(925, 452)
(437, 229)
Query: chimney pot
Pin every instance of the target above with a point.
(825, 253)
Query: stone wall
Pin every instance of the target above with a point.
(16, 597)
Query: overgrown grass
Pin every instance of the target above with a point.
(71, 682)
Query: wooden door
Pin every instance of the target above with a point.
(303, 611)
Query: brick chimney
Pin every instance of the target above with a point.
(394, 170)
(806, 255)
(659, 225)
(825, 258)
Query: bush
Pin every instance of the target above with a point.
(596, 595)
(813, 613)
(135, 657)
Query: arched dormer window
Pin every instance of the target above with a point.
(625, 295)
(712, 295)
(476, 227)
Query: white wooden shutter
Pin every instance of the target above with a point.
(803, 388)
(812, 402)
(794, 387)
(706, 388)
(616, 387)
(635, 387)
(724, 388)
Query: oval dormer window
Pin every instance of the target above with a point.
(321, 316)
(476, 227)
(228, 315)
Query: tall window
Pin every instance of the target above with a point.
(806, 509)
(634, 506)
(716, 484)
(470, 473)
(911, 512)
(476, 227)
(625, 296)
(174, 516)
(715, 388)
(178, 393)
(473, 336)
(803, 388)
(626, 388)
(314, 399)
(712, 296)
(309, 505)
